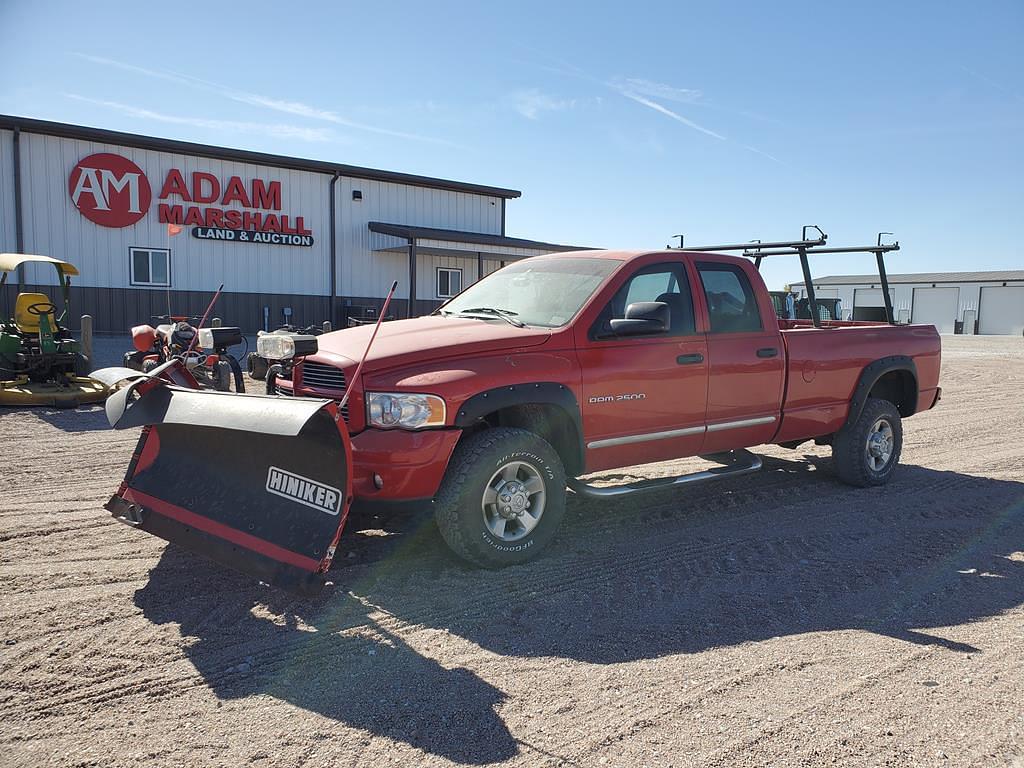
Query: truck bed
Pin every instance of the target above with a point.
(823, 367)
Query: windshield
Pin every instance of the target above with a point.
(547, 291)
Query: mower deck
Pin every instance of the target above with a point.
(77, 390)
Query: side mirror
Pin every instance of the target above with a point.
(643, 318)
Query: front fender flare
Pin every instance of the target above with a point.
(530, 393)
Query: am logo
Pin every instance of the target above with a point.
(109, 190)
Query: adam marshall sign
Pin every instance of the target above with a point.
(112, 191)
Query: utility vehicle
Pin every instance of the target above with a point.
(41, 362)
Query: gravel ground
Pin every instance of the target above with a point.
(775, 619)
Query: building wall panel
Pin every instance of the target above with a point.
(54, 227)
(364, 272)
(8, 241)
(969, 299)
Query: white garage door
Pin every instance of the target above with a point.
(1002, 310)
(936, 306)
(868, 304)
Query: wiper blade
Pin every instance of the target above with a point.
(505, 314)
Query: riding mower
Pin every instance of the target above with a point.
(203, 351)
(40, 361)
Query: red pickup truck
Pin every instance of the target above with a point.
(562, 365)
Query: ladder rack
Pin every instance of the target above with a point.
(810, 242)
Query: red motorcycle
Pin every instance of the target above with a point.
(204, 351)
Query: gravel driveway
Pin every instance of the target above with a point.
(776, 619)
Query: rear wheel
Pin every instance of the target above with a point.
(502, 498)
(866, 452)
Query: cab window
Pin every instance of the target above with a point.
(732, 307)
(658, 282)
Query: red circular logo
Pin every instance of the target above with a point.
(109, 190)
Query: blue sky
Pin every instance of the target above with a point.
(622, 126)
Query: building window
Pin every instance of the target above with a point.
(150, 266)
(449, 282)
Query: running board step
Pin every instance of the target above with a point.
(739, 463)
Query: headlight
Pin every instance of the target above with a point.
(399, 409)
(218, 338)
(285, 346)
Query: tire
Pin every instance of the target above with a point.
(222, 376)
(503, 458)
(257, 366)
(866, 452)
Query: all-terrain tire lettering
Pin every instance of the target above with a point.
(458, 509)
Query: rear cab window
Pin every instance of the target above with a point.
(732, 304)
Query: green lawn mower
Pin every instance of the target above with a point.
(41, 363)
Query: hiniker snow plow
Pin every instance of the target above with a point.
(260, 484)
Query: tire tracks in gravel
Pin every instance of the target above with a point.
(697, 567)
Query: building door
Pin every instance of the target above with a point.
(1001, 310)
(644, 396)
(936, 306)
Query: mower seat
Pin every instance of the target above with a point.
(25, 320)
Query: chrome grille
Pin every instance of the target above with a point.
(323, 376)
(282, 391)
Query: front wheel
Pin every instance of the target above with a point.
(257, 366)
(866, 452)
(502, 498)
(222, 376)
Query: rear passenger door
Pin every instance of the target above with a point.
(746, 360)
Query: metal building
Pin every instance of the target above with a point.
(954, 302)
(147, 219)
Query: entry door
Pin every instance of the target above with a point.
(644, 396)
(746, 361)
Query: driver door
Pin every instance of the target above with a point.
(644, 397)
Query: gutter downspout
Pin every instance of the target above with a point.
(332, 247)
(19, 232)
(412, 277)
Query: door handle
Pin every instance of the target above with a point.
(767, 352)
(696, 357)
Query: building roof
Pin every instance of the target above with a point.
(922, 277)
(66, 130)
(459, 236)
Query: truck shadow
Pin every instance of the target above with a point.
(336, 655)
(784, 552)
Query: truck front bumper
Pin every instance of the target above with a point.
(408, 466)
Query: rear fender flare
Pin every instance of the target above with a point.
(531, 393)
(871, 375)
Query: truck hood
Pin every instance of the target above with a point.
(420, 339)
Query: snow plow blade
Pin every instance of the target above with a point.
(260, 484)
